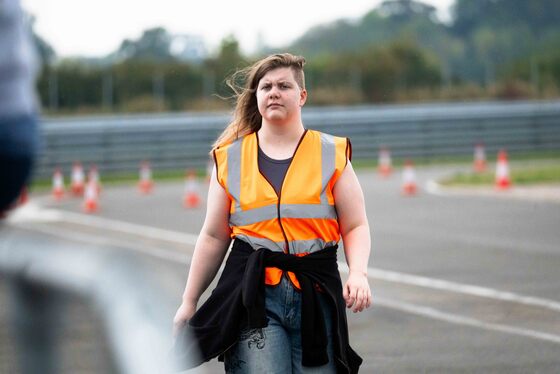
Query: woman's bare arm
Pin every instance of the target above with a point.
(354, 228)
(210, 250)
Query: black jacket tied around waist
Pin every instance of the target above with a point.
(238, 302)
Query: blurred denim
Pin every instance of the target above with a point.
(18, 148)
(18, 103)
(277, 348)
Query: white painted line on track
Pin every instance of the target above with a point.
(392, 276)
(374, 273)
(462, 320)
(92, 239)
(466, 289)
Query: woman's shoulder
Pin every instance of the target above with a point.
(233, 142)
(328, 137)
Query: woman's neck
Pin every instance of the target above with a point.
(280, 142)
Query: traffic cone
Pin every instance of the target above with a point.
(479, 163)
(57, 185)
(503, 181)
(146, 184)
(77, 179)
(409, 179)
(384, 167)
(90, 198)
(93, 178)
(191, 198)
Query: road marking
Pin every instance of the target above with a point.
(374, 273)
(466, 289)
(462, 320)
(165, 254)
(392, 276)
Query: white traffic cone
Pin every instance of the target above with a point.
(91, 197)
(77, 179)
(384, 166)
(146, 184)
(58, 185)
(479, 163)
(503, 181)
(409, 179)
(191, 198)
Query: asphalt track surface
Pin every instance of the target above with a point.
(461, 284)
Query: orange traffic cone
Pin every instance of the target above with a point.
(384, 167)
(409, 179)
(146, 184)
(503, 182)
(479, 163)
(77, 179)
(93, 177)
(57, 185)
(191, 197)
(90, 198)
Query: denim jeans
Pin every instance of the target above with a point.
(18, 147)
(277, 347)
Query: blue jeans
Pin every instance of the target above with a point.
(18, 147)
(277, 347)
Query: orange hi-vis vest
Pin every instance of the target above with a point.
(302, 218)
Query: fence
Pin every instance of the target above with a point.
(42, 272)
(182, 140)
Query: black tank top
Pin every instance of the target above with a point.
(273, 170)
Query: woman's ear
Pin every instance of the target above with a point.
(302, 97)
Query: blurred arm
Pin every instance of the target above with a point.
(210, 249)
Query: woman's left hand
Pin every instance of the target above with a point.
(356, 291)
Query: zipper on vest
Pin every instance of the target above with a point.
(279, 194)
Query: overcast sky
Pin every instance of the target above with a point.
(96, 28)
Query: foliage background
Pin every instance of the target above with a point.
(397, 52)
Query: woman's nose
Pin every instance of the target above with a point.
(274, 93)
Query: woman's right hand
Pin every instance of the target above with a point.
(184, 313)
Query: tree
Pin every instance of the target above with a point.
(406, 10)
(153, 45)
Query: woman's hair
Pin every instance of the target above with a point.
(244, 82)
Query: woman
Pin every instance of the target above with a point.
(285, 194)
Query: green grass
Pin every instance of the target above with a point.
(40, 185)
(524, 175)
(542, 173)
(459, 160)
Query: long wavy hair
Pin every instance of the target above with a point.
(246, 116)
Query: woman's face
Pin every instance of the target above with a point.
(279, 97)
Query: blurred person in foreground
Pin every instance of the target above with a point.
(285, 195)
(18, 104)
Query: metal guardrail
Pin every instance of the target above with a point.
(182, 140)
(138, 327)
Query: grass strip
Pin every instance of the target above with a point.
(525, 175)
